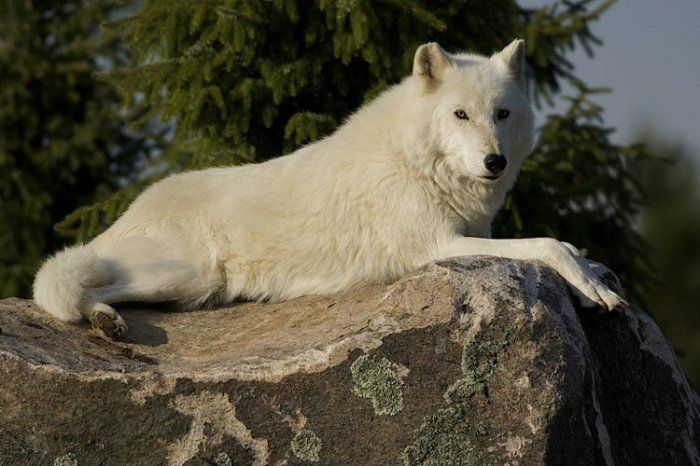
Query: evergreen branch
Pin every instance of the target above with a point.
(419, 13)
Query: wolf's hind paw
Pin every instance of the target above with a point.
(107, 322)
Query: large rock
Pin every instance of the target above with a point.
(466, 361)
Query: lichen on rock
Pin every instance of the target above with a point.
(222, 459)
(479, 359)
(448, 437)
(374, 378)
(69, 459)
(443, 438)
(307, 446)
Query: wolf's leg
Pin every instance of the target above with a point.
(142, 269)
(152, 282)
(155, 281)
(564, 258)
(164, 280)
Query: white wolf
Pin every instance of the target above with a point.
(416, 175)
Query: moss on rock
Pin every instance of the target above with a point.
(307, 446)
(374, 378)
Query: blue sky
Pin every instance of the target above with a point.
(651, 60)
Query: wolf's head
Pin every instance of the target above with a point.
(473, 111)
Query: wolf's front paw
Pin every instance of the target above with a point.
(588, 287)
(591, 292)
(107, 322)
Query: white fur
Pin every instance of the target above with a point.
(396, 186)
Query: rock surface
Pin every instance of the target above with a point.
(466, 361)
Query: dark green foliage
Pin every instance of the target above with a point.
(64, 141)
(550, 33)
(249, 80)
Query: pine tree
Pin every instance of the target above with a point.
(249, 80)
(64, 139)
(246, 80)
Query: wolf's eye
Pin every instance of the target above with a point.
(503, 114)
(461, 114)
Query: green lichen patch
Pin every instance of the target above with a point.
(374, 378)
(443, 438)
(222, 459)
(69, 459)
(461, 390)
(479, 359)
(447, 437)
(307, 446)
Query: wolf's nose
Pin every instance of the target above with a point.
(495, 163)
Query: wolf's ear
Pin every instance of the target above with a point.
(513, 57)
(429, 65)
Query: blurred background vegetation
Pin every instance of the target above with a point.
(99, 98)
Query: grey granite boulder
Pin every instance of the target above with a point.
(466, 361)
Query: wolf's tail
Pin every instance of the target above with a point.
(60, 286)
